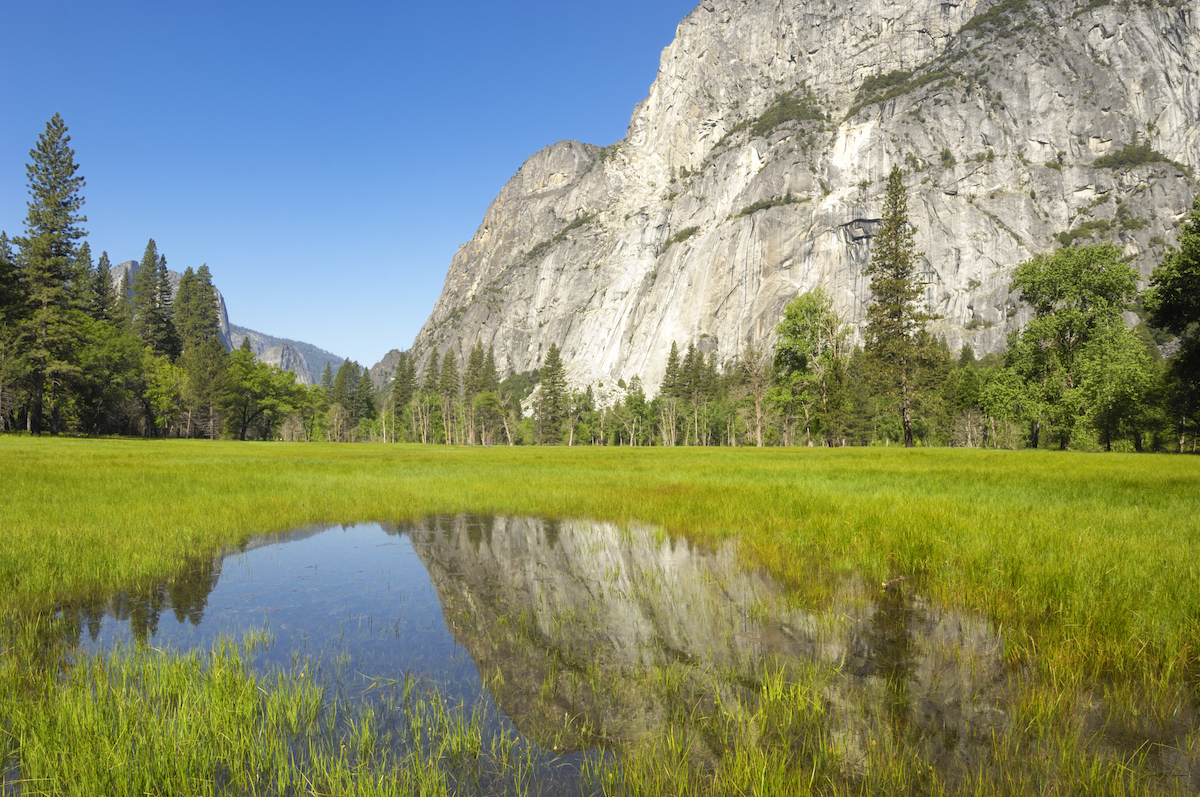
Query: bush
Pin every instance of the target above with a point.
(680, 237)
(770, 203)
(1135, 154)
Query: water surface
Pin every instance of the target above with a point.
(582, 636)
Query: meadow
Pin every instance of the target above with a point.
(1088, 565)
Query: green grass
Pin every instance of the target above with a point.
(1088, 565)
(1095, 558)
(145, 721)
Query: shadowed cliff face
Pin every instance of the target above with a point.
(973, 100)
(591, 634)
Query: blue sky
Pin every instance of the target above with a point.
(326, 160)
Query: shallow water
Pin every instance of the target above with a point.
(585, 636)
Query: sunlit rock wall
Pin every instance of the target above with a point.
(997, 93)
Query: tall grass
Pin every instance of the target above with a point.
(1088, 563)
(1088, 566)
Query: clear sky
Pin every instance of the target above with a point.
(326, 160)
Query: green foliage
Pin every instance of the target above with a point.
(257, 397)
(1124, 220)
(878, 89)
(1173, 300)
(551, 404)
(895, 324)
(152, 310)
(764, 204)
(948, 158)
(103, 299)
(811, 356)
(1133, 155)
(196, 311)
(998, 20)
(1077, 296)
(540, 250)
(679, 237)
(45, 324)
(787, 107)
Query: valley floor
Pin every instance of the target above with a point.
(1088, 565)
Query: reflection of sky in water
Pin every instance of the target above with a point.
(356, 591)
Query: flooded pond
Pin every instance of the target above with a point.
(583, 639)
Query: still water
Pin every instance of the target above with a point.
(580, 637)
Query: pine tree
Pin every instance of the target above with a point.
(166, 309)
(206, 364)
(102, 290)
(450, 389)
(344, 385)
(491, 381)
(670, 382)
(196, 319)
(364, 397)
(122, 311)
(83, 278)
(9, 285)
(552, 399)
(10, 306)
(151, 305)
(47, 329)
(327, 380)
(473, 380)
(1174, 304)
(895, 328)
(449, 385)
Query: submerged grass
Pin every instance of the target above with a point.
(140, 720)
(1088, 566)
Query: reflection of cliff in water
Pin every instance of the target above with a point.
(591, 633)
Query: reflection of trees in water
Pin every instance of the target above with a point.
(186, 594)
(884, 647)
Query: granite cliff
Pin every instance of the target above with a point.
(755, 170)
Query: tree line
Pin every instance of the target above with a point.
(1074, 376)
(78, 355)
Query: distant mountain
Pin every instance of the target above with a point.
(264, 347)
(305, 360)
(382, 371)
(288, 359)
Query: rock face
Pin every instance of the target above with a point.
(288, 359)
(129, 269)
(997, 113)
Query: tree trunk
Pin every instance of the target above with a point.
(758, 438)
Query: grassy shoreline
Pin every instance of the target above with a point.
(1087, 565)
(1093, 559)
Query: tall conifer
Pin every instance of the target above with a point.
(102, 297)
(552, 400)
(895, 328)
(47, 330)
(151, 304)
